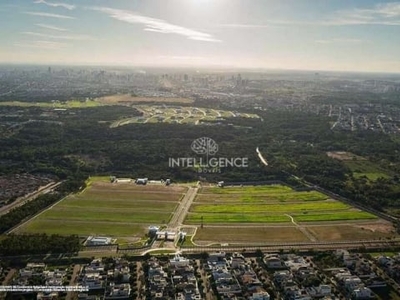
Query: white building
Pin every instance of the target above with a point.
(273, 262)
(141, 181)
(320, 291)
(352, 283)
(260, 296)
(98, 241)
(362, 293)
(179, 261)
(118, 291)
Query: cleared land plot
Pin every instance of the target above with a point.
(360, 166)
(366, 168)
(352, 231)
(334, 216)
(196, 218)
(176, 114)
(248, 235)
(127, 98)
(267, 204)
(262, 198)
(261, 189)
(270, 208)
(343, 155)
(118, 210)
(83, 228)
(57, 104)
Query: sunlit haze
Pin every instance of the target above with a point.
(361, 35)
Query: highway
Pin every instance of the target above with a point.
(275, 247)
(367, 244)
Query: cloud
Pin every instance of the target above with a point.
(49, 15)
(64, 5)
(50, 45)
(381, 14)
(341, 40)
(246, 26)
(384, 14)
(156, 25)
(183, 57)
(59, 37)
(51, 27)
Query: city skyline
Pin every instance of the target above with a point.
(301, 35)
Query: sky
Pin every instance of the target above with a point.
(346, 35)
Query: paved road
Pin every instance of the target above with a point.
(368, 244)
(21, 201)
(182, 210)
(72, 282)
(263, 160)
(275, 247)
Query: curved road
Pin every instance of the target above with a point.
(263, 160)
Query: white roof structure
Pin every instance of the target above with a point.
(99, 240)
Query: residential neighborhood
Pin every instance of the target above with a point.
(289, 275)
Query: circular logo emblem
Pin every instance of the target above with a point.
(205, 145)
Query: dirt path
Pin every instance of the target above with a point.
(9, 276)
(304, 230)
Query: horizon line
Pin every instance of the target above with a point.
(210, 67)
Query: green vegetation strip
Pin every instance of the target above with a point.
(270, 208)
(67, 104)
(266, 197)
(268, 204)
(262, 189)
(105, 215)
(367, 168)
(258, 218)
(235, 218)
(110, 195)
(82, 228)
(336, 216)
(118, 204)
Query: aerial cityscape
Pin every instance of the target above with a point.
(198, 149)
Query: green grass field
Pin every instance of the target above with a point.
(259, 213)
(67, 104)
(366, 168)
(360, 166)
(268, 204)
(118, 210)
(244, 236)
(270, 208)
(335, 216)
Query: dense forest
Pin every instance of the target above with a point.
(294, 143)
(38, 244)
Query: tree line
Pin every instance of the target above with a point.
(24, 244)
